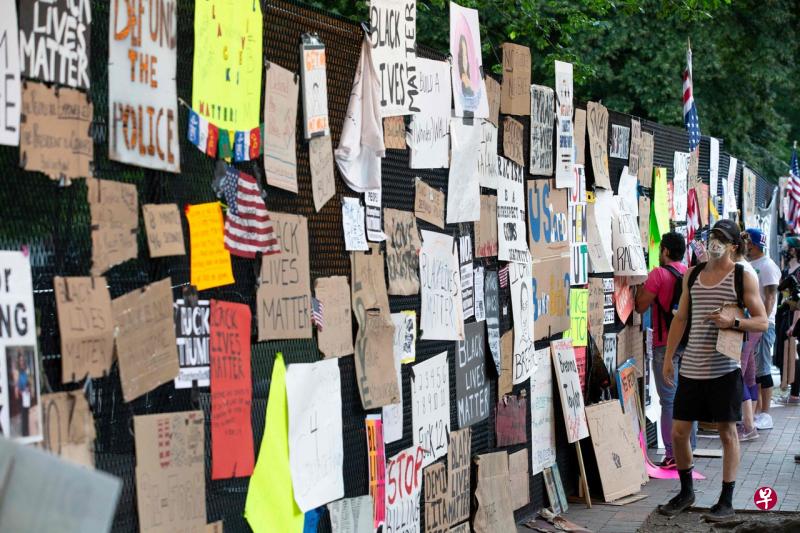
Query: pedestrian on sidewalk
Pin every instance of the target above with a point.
(658, 293)
(785, 320)
(710, 383)
(769, 276)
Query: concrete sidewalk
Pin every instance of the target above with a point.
(767, 461)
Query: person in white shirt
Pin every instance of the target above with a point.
(747, 430)
(769, 276)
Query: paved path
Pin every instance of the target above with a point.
(767, 461)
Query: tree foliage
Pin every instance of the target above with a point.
(631, 53)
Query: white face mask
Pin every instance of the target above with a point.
(716, 248)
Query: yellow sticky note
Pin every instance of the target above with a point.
(210, 261)
(270, 504)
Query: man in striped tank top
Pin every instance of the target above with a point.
(710, 383)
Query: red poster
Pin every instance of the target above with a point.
(231, 391)
(580, 360)
(510, 420)
(377, 469)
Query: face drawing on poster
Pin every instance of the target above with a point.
(522, 309)
(469, 91)
(429, 129)
(430, 407)
(440, 278)
(393, 25)
(9, 73)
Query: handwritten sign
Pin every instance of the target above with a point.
(542, 121)
(543, 430)
(594, 313)
(377, 469)
(512, 140)
(316, 452)
(394, 133)
(355, 238)
(493, 494)
(516, 80)
(645, 170)
(522, 308)
(459, 456)
(393, 25)
(628, 258)
(597, 124)
(569, 388)
(48, 52)
(580, 137)
(351, 515)
(145, 334)
(170, 471)
(86, 327)
(547, 220)
(472, 385)
(493, 94)
(463, 183)
(402, 252)
(491, 296)
(54, 137)
(283, 299)
(467, 275)
(598, 232)
(69, 427)
(510, 419)
(511, 235)
(578, 311)
(680, 183)
(429, 129)
(441, 311)
(192, 333)
(142, 94)
(280, 119)
(486, 228)
(231, 391)
(336, 338)
(10, 73)
(428, 204)
(403, 486)
(610, 352)
(436, 518)
(114, 210)
(469, 92)
(487, 156)
(430, 407)
(375, 375)
(368, 285)
(635, 148)
(565, 152)
(619, 142)
(162, 223)
(404, 351)
(320, 159)
(749, 215)
(210, 261)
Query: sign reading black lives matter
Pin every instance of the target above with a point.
(393, 37)
(472, 385)
(192, 333)
(54, 41)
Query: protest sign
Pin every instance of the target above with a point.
(749, 214)
(493, 93)
(486, 228)
(377, 469)
(162, 222)
(459, 456)
(355, 238)
(463, 184)
(404, 351)
(469, 92)
(428, 132)
(599, 239)
(512, 140)
(628, 257)
(351, 515)
(429, 203)
(493, 494)
(394, 133)
(542, 121)
(579, 315)
(619, 142)
(487, 156)
(393, 30)
(210, 261)
(519, 476)
(69, 427)
(492, 299)
(597, 125)
(610, 352)
(374, 215)
(522, 308)
(192, 332)
(516, 94)
(320, 161)
(635, 148)
(565, 151)
(377, 382)
(436, 519)
(335, 339)
(430, 407)
(403, 487)
(280, 119)
(504, 380)
(580, 137)
(510, 419)
(472, 385)
(10, 73)
(441, 311)
(594, 313)
(467, 276)
(480, 306)
(646, 160)
(543, 429)
(569, 388)
(511, 241)
(115, 220)
(680, 181)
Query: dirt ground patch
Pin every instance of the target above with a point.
(744, 522)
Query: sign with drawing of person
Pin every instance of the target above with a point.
(469, 91)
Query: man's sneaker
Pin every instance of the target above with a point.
(668, 463)
(745, 436)
(763, 421)
(797, 459)
(719, 513)
(677, 505)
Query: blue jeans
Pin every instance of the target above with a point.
(666, 395)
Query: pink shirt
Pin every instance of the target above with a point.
(661, 282)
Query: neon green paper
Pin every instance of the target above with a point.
(654, 247)
(226, 86)
(660, 200)
(579, 317)
(270, 504)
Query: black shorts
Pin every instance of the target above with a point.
(765, 381)
(709, 400)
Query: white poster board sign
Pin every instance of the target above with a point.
(523, 363)
(543, 423)
(680, 184)
(469, 90)
(511, 237)
(393, 36)
(487, 156)
(403, 487)
(463, 184)
(628, 257)
(565, 153)
(430, 407)
(569, 388)
(440, 278)
(9, 72)
(428, 136)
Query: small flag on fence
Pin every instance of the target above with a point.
(248, 228)
(318, 310)
(503, 274)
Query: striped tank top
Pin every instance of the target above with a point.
(701, 360)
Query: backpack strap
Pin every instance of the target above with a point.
(738, 284)
(693, 276)
(672, 270)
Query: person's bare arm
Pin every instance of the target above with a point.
(755, 306)
(770, 294)
(644, 299)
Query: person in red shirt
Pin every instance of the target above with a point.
(656, 293)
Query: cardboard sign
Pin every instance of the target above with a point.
(403, 486)
(428, 132)
(594, 314)
(394, 132)
(49, 53)
(170, 471)
(628, 258)
(630, 345)
(404, 351)
(402, 252)
(493, 494)
(680, 184)
(543, 424)
(210, 261)
(598, 235)
(283, 299)
(142, 93)
(430, 408)
(493, 92)
(377, 468)
(54, 137)
(512, 141)
(85, 326)
(644, 220)
(459, 456)
(516, 80)
(336, 338)
(635, 148)
(436, 519)
(579, 316)
(369, 284)
(393, 32)
(522, 305)
(145, 334)
(547, 220)
(192, 333)
(569, 388)
(228, 59)
(542, 122)
(320, 160)
(510, 420)
(429, 204)
(519, 476)
(646, 160)
(580, 137)
(377, 383)
(162, 222)
(280, 118)
(619, 142)
(491, 295)
(486, 228)
(10, 73)
(487, 156)
(597, 124)
(472, 385)
(316, 452)
(565, 151)
(469, 93)
(463, 183)
(231, 391)
(511, 214)
(628, 389)
(441, 311)
(115, 221)
(69, 427)
(351, 515)
(727, 338)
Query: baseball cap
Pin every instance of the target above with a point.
(728, 229)
(792, 242)
(757, 237)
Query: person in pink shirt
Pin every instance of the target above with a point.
(657, 294)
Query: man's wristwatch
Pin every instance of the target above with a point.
(736, 323)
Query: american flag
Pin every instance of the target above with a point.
(692, 220)
(248, 229)
(690, 117)
(794, 192)
(317, 312)
(503, 276)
